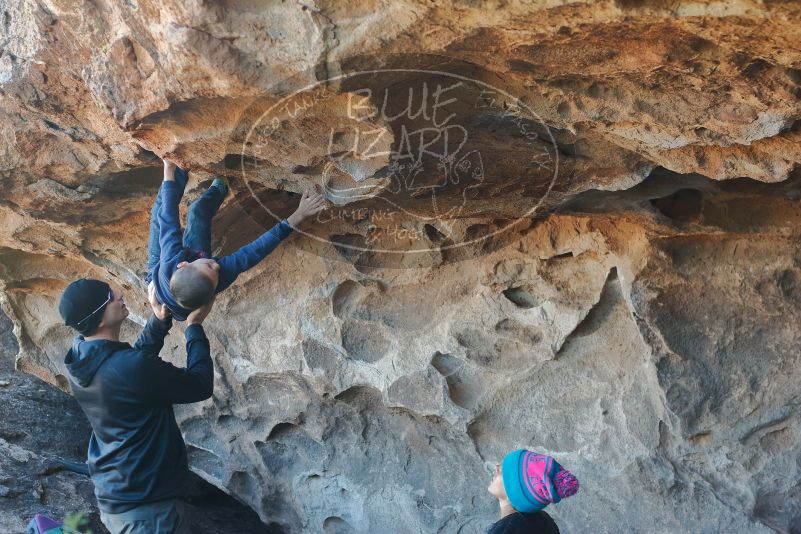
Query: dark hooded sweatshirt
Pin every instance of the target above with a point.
(520, 523)
(136, 453)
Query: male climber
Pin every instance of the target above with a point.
(180, 265)
(137, 456)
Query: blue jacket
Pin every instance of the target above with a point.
(173, 251)
(136, 453)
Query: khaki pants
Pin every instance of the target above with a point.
(163, 517)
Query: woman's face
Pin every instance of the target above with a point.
(496, 485)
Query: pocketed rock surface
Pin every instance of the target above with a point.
(571, 227)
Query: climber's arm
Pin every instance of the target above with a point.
(246, 257)
(170, 238)
(161, 382)
(151, 340)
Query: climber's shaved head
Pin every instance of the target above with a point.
(193, 284)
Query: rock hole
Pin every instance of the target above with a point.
(685, 205)
(337, 525)
(477, 231)
(778, 440)
(642, 106)
(242, 483)
(700, 156)
(13, 436)
(611, 293)
(320, 356)
(595, 90)
(568, 254)
(360, 395)
(519, 65)
(474, 432)
(52, 125)
(433, 234)
(302, 169)
(239, 161)
(445, 364)
(521, 297)
(281, 429)
(462, 389)
(699, 44)
(756, 68)
(363, 342)
(349, 246)
(345, 297)
(789, 282)
(150, 157)
(62, 382)
(521, 332)
(478, 344)
(568, 150)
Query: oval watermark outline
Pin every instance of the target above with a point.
(529, 213)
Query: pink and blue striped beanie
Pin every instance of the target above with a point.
(533, 481)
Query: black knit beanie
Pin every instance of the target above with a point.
(79, 300)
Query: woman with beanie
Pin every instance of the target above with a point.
(524, 484)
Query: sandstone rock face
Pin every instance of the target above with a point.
(572, 227)
(39, 427)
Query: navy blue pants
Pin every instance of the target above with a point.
(197, 234)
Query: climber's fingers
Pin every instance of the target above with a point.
(317, 202)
